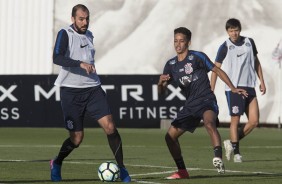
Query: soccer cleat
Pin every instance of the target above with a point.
(228, 149)
(237, 158)
(218, 163)
(124, 176)
(55, 171)
(180, 174)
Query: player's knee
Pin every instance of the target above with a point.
(209, 125)
(254, 124)
(76, 140)
(168, 138)
(76, 143)
(113, 133)
(110, 129)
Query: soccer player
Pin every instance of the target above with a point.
(238, 58)
(188, 70)
(80, 91)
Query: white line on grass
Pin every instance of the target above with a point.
(132, 146)
(57, 146)
(153, 166)
(149, 182)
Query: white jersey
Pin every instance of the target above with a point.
(80, 48)
(239, 64)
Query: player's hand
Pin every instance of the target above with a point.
(262, 88)
(240, 92)
(87, 67)
(163, 80)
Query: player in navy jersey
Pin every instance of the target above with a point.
(81, 92)
(237, 56)
(188, 70)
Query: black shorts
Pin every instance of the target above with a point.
(237, 104)
(189, 117)
(76, 102)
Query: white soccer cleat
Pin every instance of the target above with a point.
(228, 149)
(218, 163)
(237, 158)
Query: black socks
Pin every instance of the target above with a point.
(115, 143)
(217, 151)
(65, 150)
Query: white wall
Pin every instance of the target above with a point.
(26, 36)
(136, 37)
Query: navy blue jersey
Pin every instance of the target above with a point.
(191, 76)
(222, 51)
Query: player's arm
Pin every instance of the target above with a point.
(221, 54)
(214, 76)
(60, 50)
(163, 82)
(223, 76)
(258, 69)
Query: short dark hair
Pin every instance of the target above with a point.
(79, 6)
(233, 23)
(184, 31)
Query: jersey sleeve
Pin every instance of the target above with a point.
(208, 63)
(60, 50)
(205, 61)
(254, 46)
(221, 53)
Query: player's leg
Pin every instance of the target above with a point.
(115, 143)
(234, 139)
(174, 148)
(252, 113)
(114, 138)
(209, 118)
(236, 105)
(99, 109)
(73, 118)
(69, 145)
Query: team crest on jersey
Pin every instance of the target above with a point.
(190, 57)
(172, 62)
(188, 68)
(231, 47)
(70, 124)
(235, 109)
(248, 44)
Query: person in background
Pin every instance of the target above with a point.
(188, 70)
(237, 56)
(81, 92)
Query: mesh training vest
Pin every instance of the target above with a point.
(80, 48)
(239, 64)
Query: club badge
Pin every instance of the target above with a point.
(188, 68)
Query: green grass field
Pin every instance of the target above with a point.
(25, 155)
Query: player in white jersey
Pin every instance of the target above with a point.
(238, 58)
(81, 92)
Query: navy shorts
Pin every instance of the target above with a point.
(237, 104)
(76, 102)
(189, 117)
